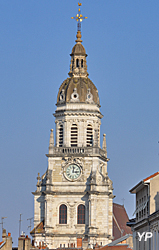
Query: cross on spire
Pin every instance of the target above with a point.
(79, 18)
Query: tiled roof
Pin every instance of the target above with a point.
(39, 228)
(120, 247)
(120, 218)
(151, 176)
(140, 185)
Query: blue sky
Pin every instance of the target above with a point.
(121, 39)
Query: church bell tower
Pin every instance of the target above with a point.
(73, 199)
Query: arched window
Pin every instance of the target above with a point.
(77, 63)
(74, 135)
(63, 214)
(81, 214)
(82, 63)
(61, 136)
(89, 139)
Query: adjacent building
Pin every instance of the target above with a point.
(146, 214)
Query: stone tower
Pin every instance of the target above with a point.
(73, 199)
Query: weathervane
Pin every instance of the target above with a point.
(79, 18)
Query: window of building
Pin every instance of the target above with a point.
(77, 63)
(82, 63)
(74, 135)
(147, 207)
(136, 216)
(89, 139)
(63, 214)
(61, 136)
(144, 211)
(81, 214)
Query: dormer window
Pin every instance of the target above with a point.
(77, 63)
(82, 63)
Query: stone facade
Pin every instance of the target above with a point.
(77, 166)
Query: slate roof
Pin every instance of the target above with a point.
(120, 218)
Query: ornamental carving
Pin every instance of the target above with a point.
(62, 96)
(89, 97)
(74, 96)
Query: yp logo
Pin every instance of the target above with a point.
(145, 235)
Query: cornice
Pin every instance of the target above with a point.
(140, 224)
(98, 193)
(78, 113)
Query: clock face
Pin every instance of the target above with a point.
(73, 171)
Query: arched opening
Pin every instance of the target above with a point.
(81, 214)
(63, 214)
(89, 139)
(60, 135)
(81, 63)
(77, 63)
(74, 135)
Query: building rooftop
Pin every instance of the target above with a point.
(120, 219)
(140, 185)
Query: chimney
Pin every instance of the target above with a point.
(24, 243)
(4, 234)
(7, 239)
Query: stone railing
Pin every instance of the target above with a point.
(84, 151)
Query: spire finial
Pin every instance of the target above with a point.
(79, 18)
(51, 142)
(104, 146)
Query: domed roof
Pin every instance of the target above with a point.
(78, 49)
(78, 89)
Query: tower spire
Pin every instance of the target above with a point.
(79, 18)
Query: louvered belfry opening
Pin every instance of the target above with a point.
(61, 136)
(89, 136)
(74, 135)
